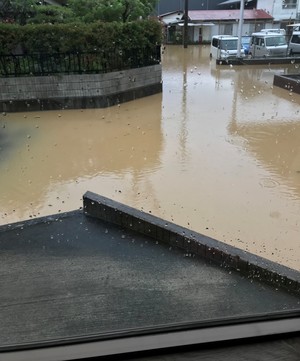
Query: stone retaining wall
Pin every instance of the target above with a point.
(226, 256)
(78, 91)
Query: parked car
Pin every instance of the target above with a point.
(275, 31)
(264, 44)
(246, 44)
(224, 47)
(294, 44)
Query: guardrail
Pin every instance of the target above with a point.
(77, 63)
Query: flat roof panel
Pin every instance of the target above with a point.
(72, 275)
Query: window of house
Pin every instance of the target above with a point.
(228, 29)
(289, 4)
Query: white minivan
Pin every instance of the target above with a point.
(294, 45)
(265, 44)
(224, 47)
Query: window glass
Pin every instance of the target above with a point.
(295, 39)
(275, 41)
(215, 42)
(211, 150)
(230, 44)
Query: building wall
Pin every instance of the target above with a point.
(165, 6)
(78, 91)
(275, 8)
(226, 28)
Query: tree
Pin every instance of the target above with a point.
(32, 11)
(88, 11)
(111, 10)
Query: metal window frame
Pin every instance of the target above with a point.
(170, 337)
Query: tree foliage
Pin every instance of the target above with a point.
(30, 11)
(111, 10)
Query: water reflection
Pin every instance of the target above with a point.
(216, 152)
(53, 152)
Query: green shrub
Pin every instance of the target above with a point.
(79, 37)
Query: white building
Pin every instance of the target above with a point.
(284, 12)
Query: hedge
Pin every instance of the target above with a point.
(78, 37)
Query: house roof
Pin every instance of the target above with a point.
(215, 15)
(228, 2)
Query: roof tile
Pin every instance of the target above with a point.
(249, 14)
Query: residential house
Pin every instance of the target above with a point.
(277, 14)
(203, 24)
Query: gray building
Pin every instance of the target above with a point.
(165, 6)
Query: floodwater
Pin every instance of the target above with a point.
(218, 152)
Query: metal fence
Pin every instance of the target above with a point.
(77, 63)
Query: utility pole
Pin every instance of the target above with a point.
(240, 29)
(185, 31)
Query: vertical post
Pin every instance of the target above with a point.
(240, 29)
(185, 33)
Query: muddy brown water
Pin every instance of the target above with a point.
(218, 151)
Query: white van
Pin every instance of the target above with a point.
(294, 45)
(275, 31)
(224, 47)
(264, 44)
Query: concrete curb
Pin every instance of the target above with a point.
(290, 82)
(221, 254)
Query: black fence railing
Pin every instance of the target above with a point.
(77, 63)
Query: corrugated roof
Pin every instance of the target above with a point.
(215, 15)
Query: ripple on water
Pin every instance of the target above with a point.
(269, 182)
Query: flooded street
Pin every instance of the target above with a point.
(218, 152)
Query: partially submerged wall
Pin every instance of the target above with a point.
(249, 265)
(290, 82)
(78, 91)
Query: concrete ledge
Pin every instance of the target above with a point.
(226, 256)
(258, 61)
(290, 82)
(79, 102)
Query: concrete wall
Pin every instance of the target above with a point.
(226, 256)
(78, 91)
(288, 82)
